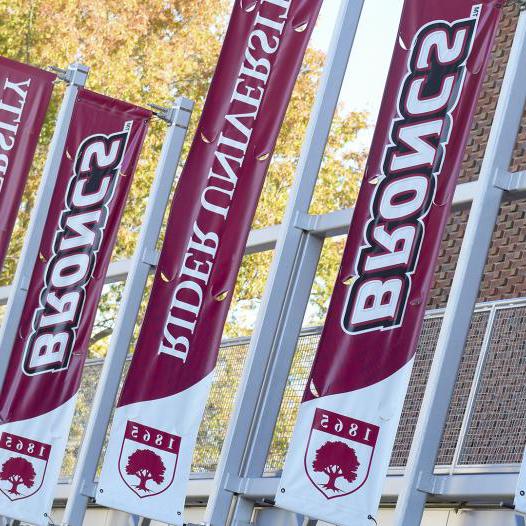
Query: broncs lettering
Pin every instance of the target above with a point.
(78, 239)
(412, 164)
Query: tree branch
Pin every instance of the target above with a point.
(100, 335)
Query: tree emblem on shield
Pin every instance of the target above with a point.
(23, 464)
(339, 453)
(337, 460)
(146, 465)
(148, 459)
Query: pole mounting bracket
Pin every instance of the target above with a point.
(75, 74)
(151, 257)
(88, 489)
(164, 113)
(431, 484)
(510, 181)
(177, 115)
(304, 221)
(236, 485)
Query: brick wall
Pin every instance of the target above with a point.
(505, 273)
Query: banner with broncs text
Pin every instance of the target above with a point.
(38, 398)
(343, 439)
(147, 462)
(25, 92)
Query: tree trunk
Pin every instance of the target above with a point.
(143, 480)
(14, 488)
(331, 484)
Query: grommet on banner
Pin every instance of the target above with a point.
(205, 138)
(221, 296)
(247, 5)
(349, 281)
(301, 28)
(49, 517)
(313, 389)
(263, 157)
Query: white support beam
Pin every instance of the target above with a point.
(491, 486)
(325, 225)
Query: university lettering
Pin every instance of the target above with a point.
(10, 117)
(216, 198)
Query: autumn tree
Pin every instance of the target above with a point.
(146, 465)
(337, 460)
(18, 471)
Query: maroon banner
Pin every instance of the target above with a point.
(208, 227)
(365, 355)
(25, 93)
(37, 399)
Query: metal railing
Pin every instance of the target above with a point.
(486, 427)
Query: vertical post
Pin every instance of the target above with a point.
(76, 76)
(287, 293)
(144, 259)
(470, 267)
(475, 388)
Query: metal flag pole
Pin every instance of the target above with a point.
(494, 180)
(145, 258)
(286, 297)
(75, 76)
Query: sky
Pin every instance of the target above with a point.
(372, 50)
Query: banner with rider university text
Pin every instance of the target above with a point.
(38, 397)
(148, 459)
(25, 92)
(343, 439)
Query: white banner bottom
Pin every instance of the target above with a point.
(149, 455)
(31, 454)
(340, 452)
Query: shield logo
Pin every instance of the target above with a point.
(23, 464)
(148, 459)
(339, 453)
